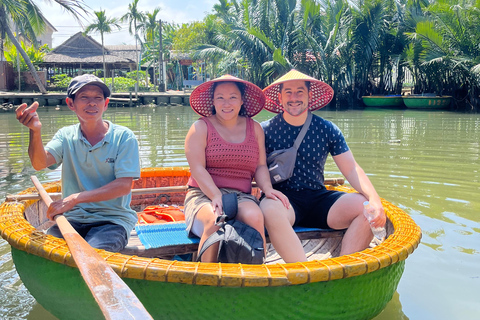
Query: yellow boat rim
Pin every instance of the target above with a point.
(397, 247)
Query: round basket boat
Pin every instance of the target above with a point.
(383, 101)
(426, 101)
(356, 286)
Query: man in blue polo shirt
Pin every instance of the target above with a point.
(99, 162)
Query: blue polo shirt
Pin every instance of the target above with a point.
(87, 167)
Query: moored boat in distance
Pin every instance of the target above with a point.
(328, 286)
(426, 101)
(388, 101)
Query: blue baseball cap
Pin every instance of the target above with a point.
(79, 82)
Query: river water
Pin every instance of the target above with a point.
(425, 162)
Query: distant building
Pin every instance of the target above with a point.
(82, 53)
(47, 36)
(185, 71)
(6, 71)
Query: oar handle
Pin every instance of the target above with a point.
(41, 191)
(61, 221)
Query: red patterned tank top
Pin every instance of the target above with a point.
(231, 165)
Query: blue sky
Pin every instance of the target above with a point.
(179, 11)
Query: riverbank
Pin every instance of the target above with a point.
(10, 100)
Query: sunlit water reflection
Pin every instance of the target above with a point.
(424, 162)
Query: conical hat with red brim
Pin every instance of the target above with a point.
(322, 93)
(201, 99)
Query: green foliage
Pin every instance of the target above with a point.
(358, 47)
(141, 77)
(27, 16)
(443, 54)
(149, 26)
(102, 24)
(134, 17)
(189, 36)
(61, 80)
(35, 55)
(121, 84)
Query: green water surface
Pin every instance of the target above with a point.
(425, 162)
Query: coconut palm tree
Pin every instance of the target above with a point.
(371, 39)
(325, 50)
(259, 35)
(444, 55)
(134, 17)
(149, 26)
(103, 25)
(27, 16)
(149, 29)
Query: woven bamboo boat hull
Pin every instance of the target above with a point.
(356, 286)
(426, 102)
(383, 101)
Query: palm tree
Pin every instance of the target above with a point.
(261, 36)
(168, 34)
(102, 25)
(134, 17)
(444, 54)
(149, 28)
(27, 16)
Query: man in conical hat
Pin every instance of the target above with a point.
(293, 97)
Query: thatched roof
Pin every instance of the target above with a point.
(123, 51)
(83, 49)
(179, 55)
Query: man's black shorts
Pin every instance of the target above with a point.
(312, 206)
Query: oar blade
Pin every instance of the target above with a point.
(115, 298)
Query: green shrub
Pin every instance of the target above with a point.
(121, 84)
(61, 80)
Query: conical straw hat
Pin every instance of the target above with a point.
(322, 93)
(201, 99)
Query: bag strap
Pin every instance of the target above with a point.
(211, 240)
(230, 205)
(230, 209)
(302, 133)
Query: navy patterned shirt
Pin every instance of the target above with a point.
(323, 137)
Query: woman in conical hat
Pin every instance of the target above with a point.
(226, 151)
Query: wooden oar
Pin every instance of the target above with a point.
(20, 197)
(115, 298)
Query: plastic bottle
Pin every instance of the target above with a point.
(370, 213)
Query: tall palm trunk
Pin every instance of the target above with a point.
(2, 32)
(22, 52)
(136, 54)
(2, 36)
(103, 56)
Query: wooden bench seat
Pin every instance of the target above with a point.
(136, 247)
